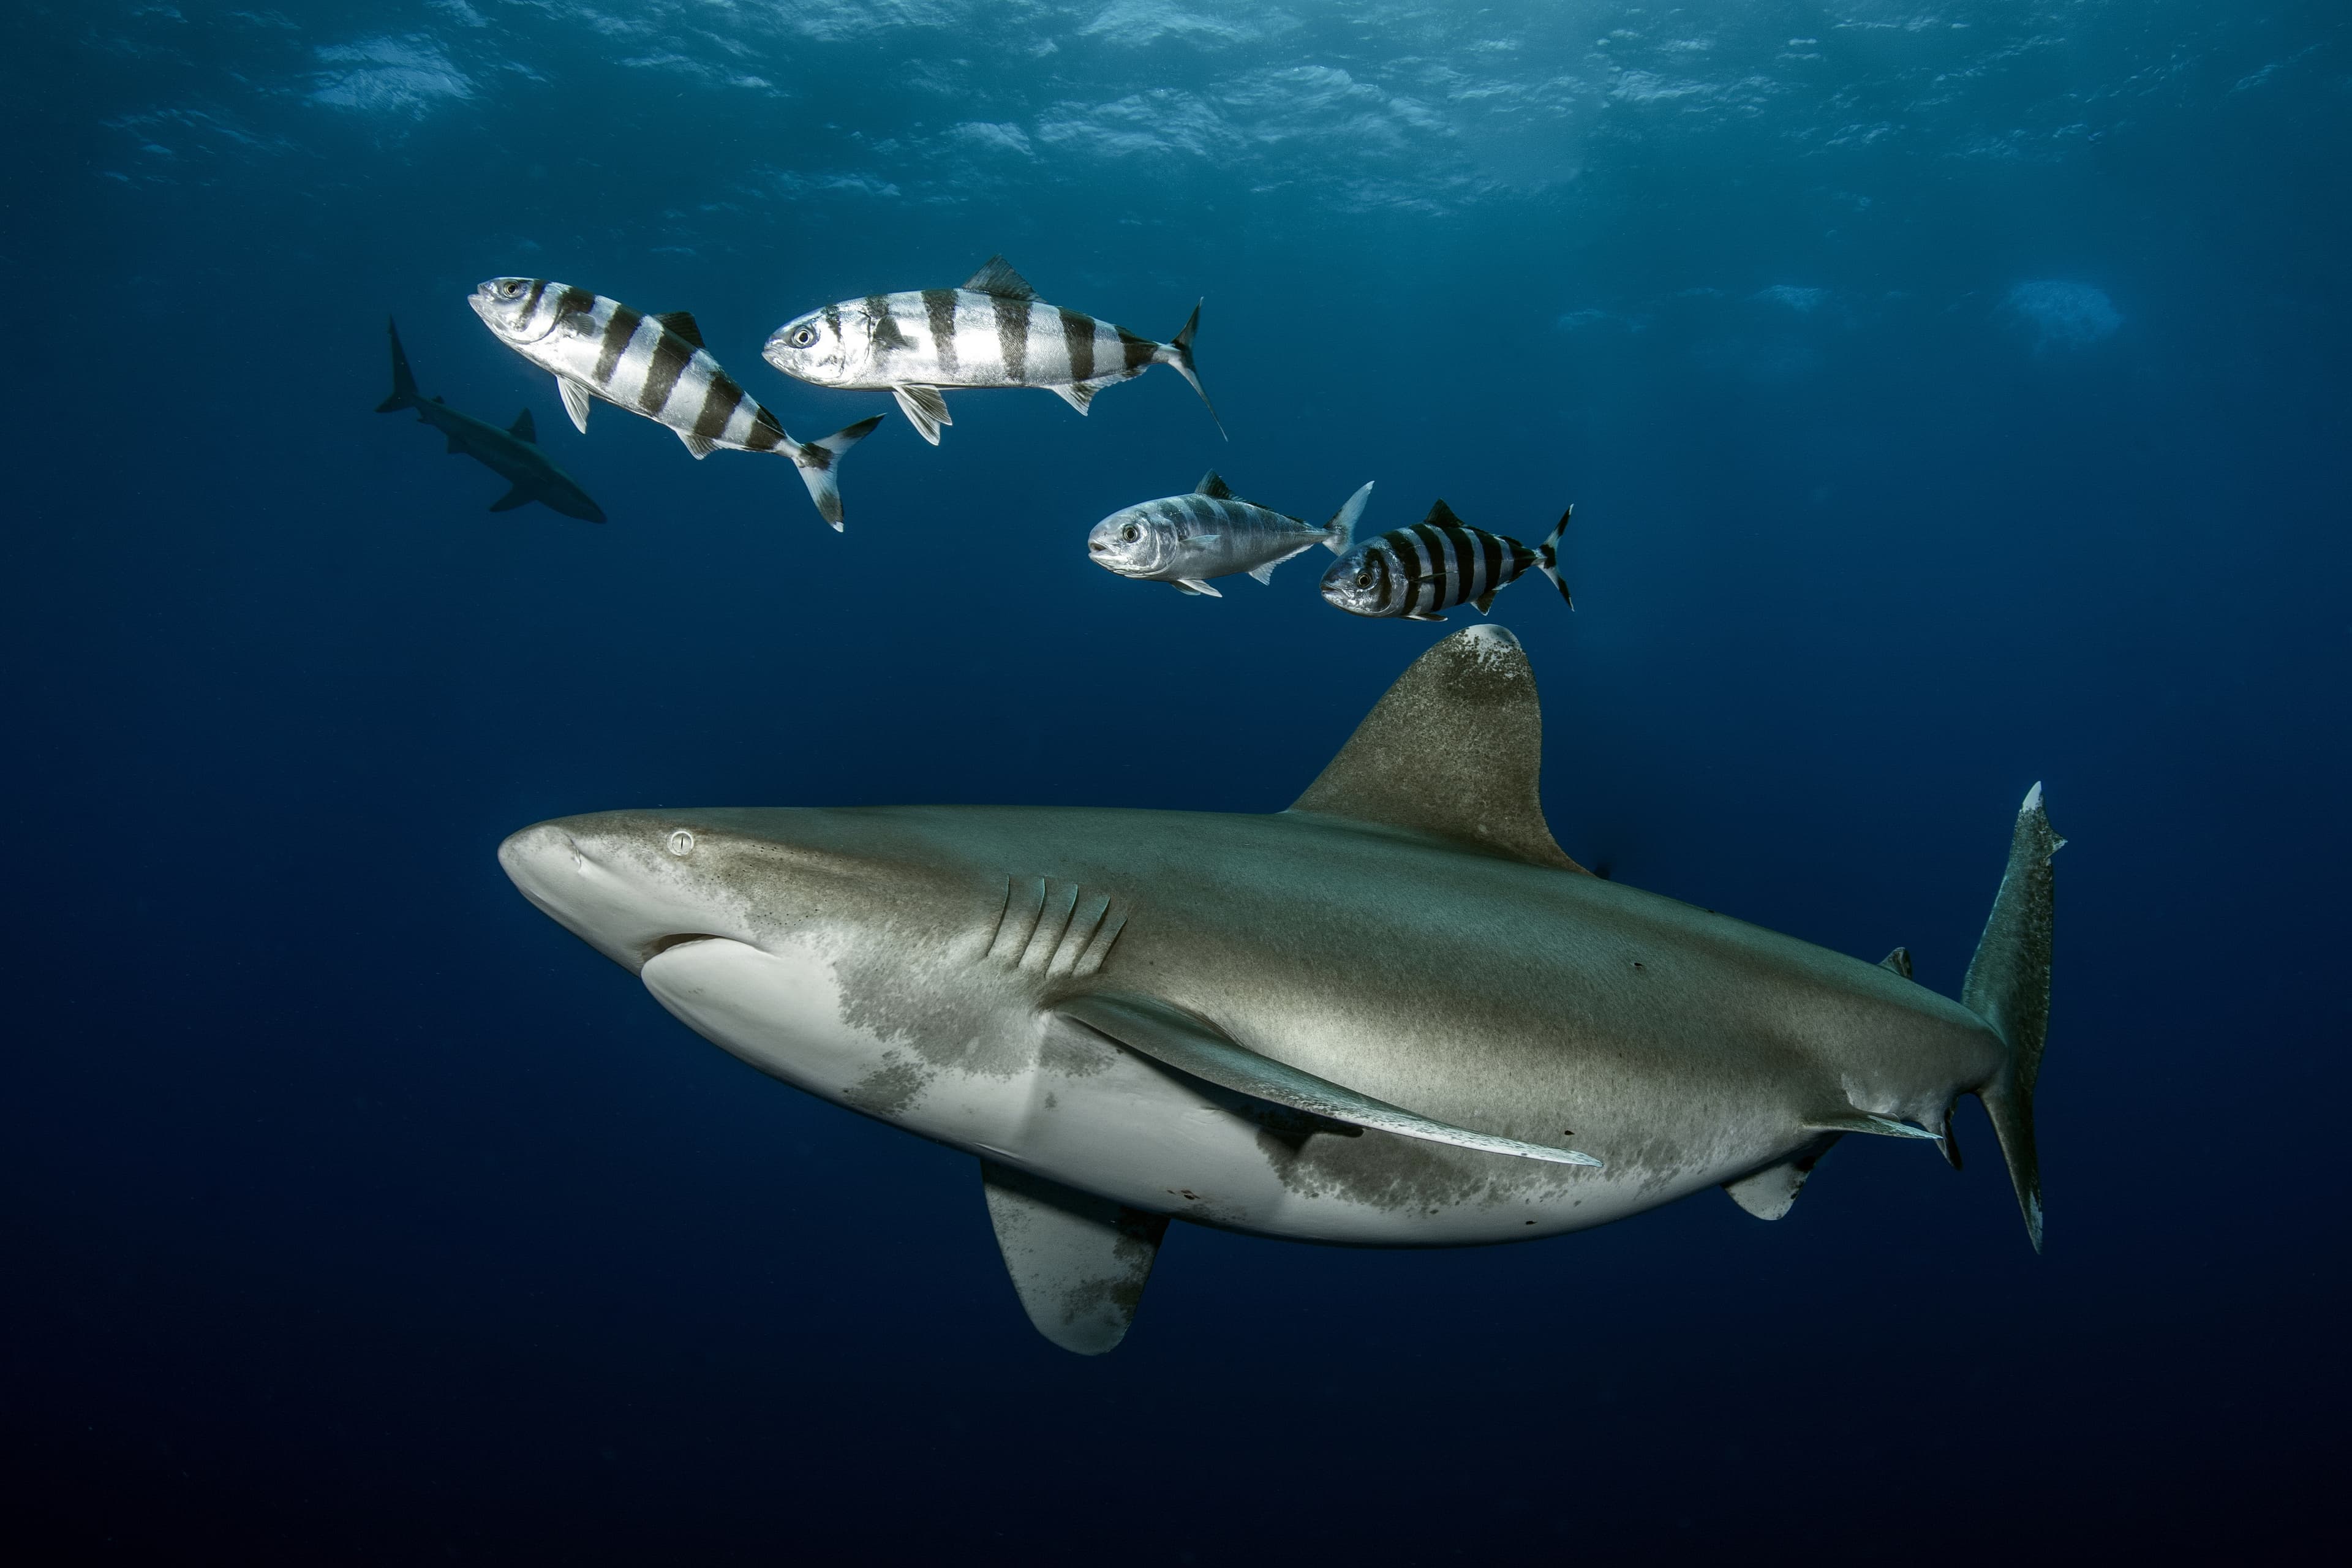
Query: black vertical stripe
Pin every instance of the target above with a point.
(618, 330)
(1383, 580)
(1138, 351)
(1013, 335)
(530, 300)
(939, 307)
(1465, 584)
(672, 354)
(767, 435)
(1079, 338)
(572, 302)
(1491, 553)
(719, 401)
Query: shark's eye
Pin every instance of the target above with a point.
(802, 337)
(681, 844)
(1131, 534)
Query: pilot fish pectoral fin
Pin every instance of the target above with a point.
(1151, 1028)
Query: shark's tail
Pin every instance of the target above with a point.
(2009, 987)
(1548, 557)
(1341, 531)
(403, 384)
(1178, 352)
(820, 461)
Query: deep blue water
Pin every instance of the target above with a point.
(1952, 396)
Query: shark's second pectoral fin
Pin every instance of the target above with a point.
(1770, 1193)
(1078, 1262)
(1151, 1028)
(1451, 751)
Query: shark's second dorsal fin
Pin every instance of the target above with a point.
(1214, 488)
(682, 322)
(995, 277)
(524, 428)
(1453, 749)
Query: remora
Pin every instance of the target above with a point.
(1380, 1018)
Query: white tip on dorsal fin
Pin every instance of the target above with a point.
(925, 409)
(1077, 395)
(682, 322)
(1195, 585)
(700, 446)
(1213, 488)
(995, 277)
(1078, 1262)
(576, 402)
(1453, 749)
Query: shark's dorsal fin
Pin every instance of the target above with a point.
(996, 277)
(1453, 749)
(524, 428)
(682, 322)
(1078, 1262)
(1214, 488)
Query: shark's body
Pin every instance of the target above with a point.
(1394, 1015)
(512, 453)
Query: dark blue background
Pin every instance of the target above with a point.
(356, 1213)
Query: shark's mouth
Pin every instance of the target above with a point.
(662, 944)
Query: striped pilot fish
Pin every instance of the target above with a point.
(992, 331)
(653, 366)
(1436, 564)
(1212, 533)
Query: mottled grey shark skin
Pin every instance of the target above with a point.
(1396, 1014)
(513, 453)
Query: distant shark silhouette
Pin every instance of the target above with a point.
(1378, 1018)
(512, 453)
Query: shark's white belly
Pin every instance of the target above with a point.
(1073, 1107)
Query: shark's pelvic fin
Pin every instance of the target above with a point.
(1453, 749)
(1078, 1262)
(1771, 1192)
(1151, 1028)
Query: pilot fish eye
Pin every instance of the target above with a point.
(681, 844)
(802, 337)
(512, 288)
(1363, 579)
(1131, 534)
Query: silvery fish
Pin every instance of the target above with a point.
(1436, 564)
(1212, 533)
(653, 366)
(992, 331)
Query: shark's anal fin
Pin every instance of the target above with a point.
(1453, 749)
(1078, 1262)
(576, 402)
(1770, 1193)
(1151, 1028)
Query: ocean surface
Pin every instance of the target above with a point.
(1952, 395)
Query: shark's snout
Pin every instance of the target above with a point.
(611, 886)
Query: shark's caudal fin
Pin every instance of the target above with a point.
(1341, 531)
(1179, 352)
(403, 384)
(1453, 750)
(2008, 985)
(819, 461)
(1548, 558)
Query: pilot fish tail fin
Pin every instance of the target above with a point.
(1178, 352)
(820, 460)
(1548, 557)
(2008, 985)
(403, 382)
(1339, 533)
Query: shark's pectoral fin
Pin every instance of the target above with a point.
(1451, 751)
(576, 402)
(1078, 1262)
(1769, 1193)
(1151, 1028)
(513, 499)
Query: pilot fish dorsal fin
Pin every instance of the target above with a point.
(1453, 750)
(996, 277)
(524, 428)
(682, 324)
(1440, 515)
(1214, 488)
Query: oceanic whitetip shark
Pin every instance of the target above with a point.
(514, 454)
(1395, 1015)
